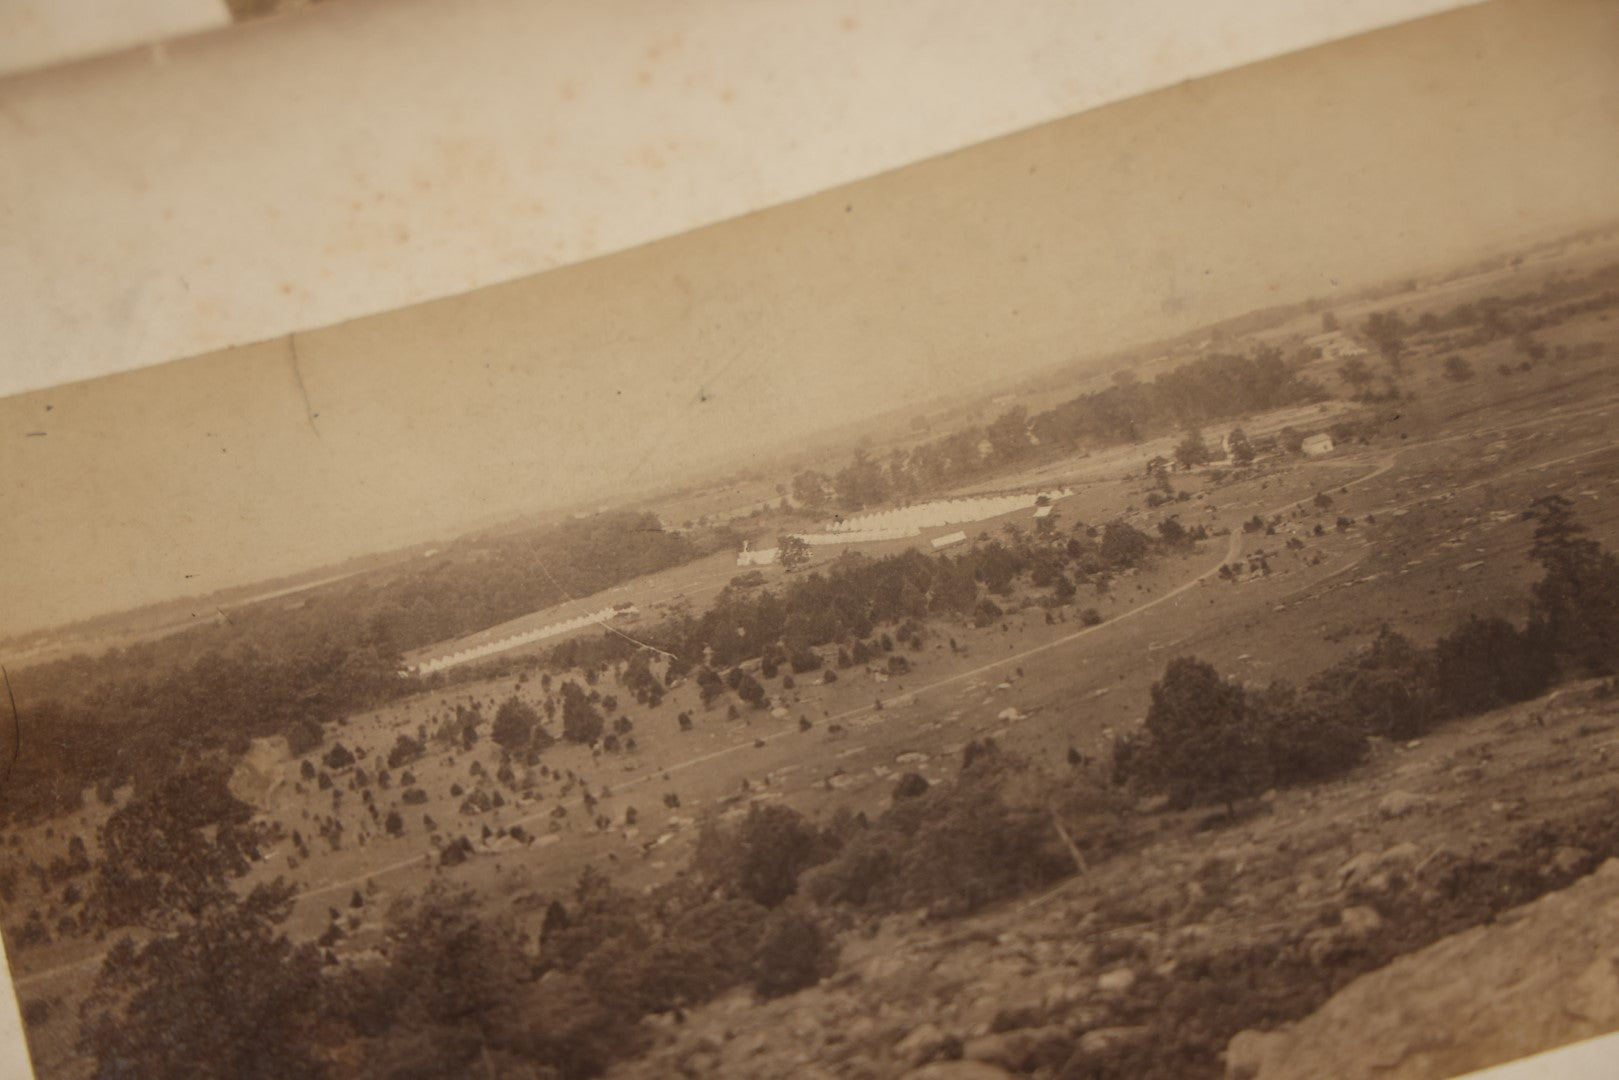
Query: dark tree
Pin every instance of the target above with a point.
(794, 953)
(792, 552)
(1201, 744)
(224, 995)
(1457, 369)
(1124, 546)
(514, 724)
(1576, 604)
(405, 750)
(170, 856)
(1242, 451)
(581, 723)
(1192, 450)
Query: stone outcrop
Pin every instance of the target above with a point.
(1541, 976)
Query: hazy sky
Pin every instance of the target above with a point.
(1299, 177)
(376, 153)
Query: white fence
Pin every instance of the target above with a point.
(930, 515)
(512, 641)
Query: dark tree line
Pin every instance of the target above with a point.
(856, 595)
(1213, 388)
(1209, 740)
(136, 714)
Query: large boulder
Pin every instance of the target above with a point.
(1541, 976)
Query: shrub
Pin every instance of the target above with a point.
(1489, 662)
(1123, 546)
(1200, 743)
(751, 691)
(762, 858)
(1576, 603)
(514, 724)
(405, 750)
(1302, 743)
(581, 723)
(911, 786)
(338, 757)
(1386, 689)
(794, 952)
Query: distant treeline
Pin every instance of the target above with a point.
(1207, 739)
(1217, 387)
(1474, 323)
(857, 595)
(138, 714)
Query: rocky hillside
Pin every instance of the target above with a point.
(1543, 975)
(1149, 964)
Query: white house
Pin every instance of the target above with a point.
(1316, 445)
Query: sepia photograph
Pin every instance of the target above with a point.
(1132, 597)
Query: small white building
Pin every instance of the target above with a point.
(948, 539)
(1316, 445)
(755, 557)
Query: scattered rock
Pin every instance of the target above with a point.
(1021, 1050)
(1567, 860)
(1545, 976)
(1400, 803)
(922, 1045)
(1116, 981)
(1249, 1052)
(958, 1070)
(1359, 920)
(1106, 1040)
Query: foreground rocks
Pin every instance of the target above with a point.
(1543, 975)
(1188, 956)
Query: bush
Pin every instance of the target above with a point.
(405, 750)
(1386, 689)
(751, 691)
(1489, 662)
(581, 723)
(1124, 546)
(794, 952)
(1200, 743)
(912, 785)
(514, 725)
(1576, 604)
(762, 858)
(1303, 744)
(338, 757)
(957, 847)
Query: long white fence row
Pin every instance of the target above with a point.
(929, 515)
(907, 521)
(511, 641)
